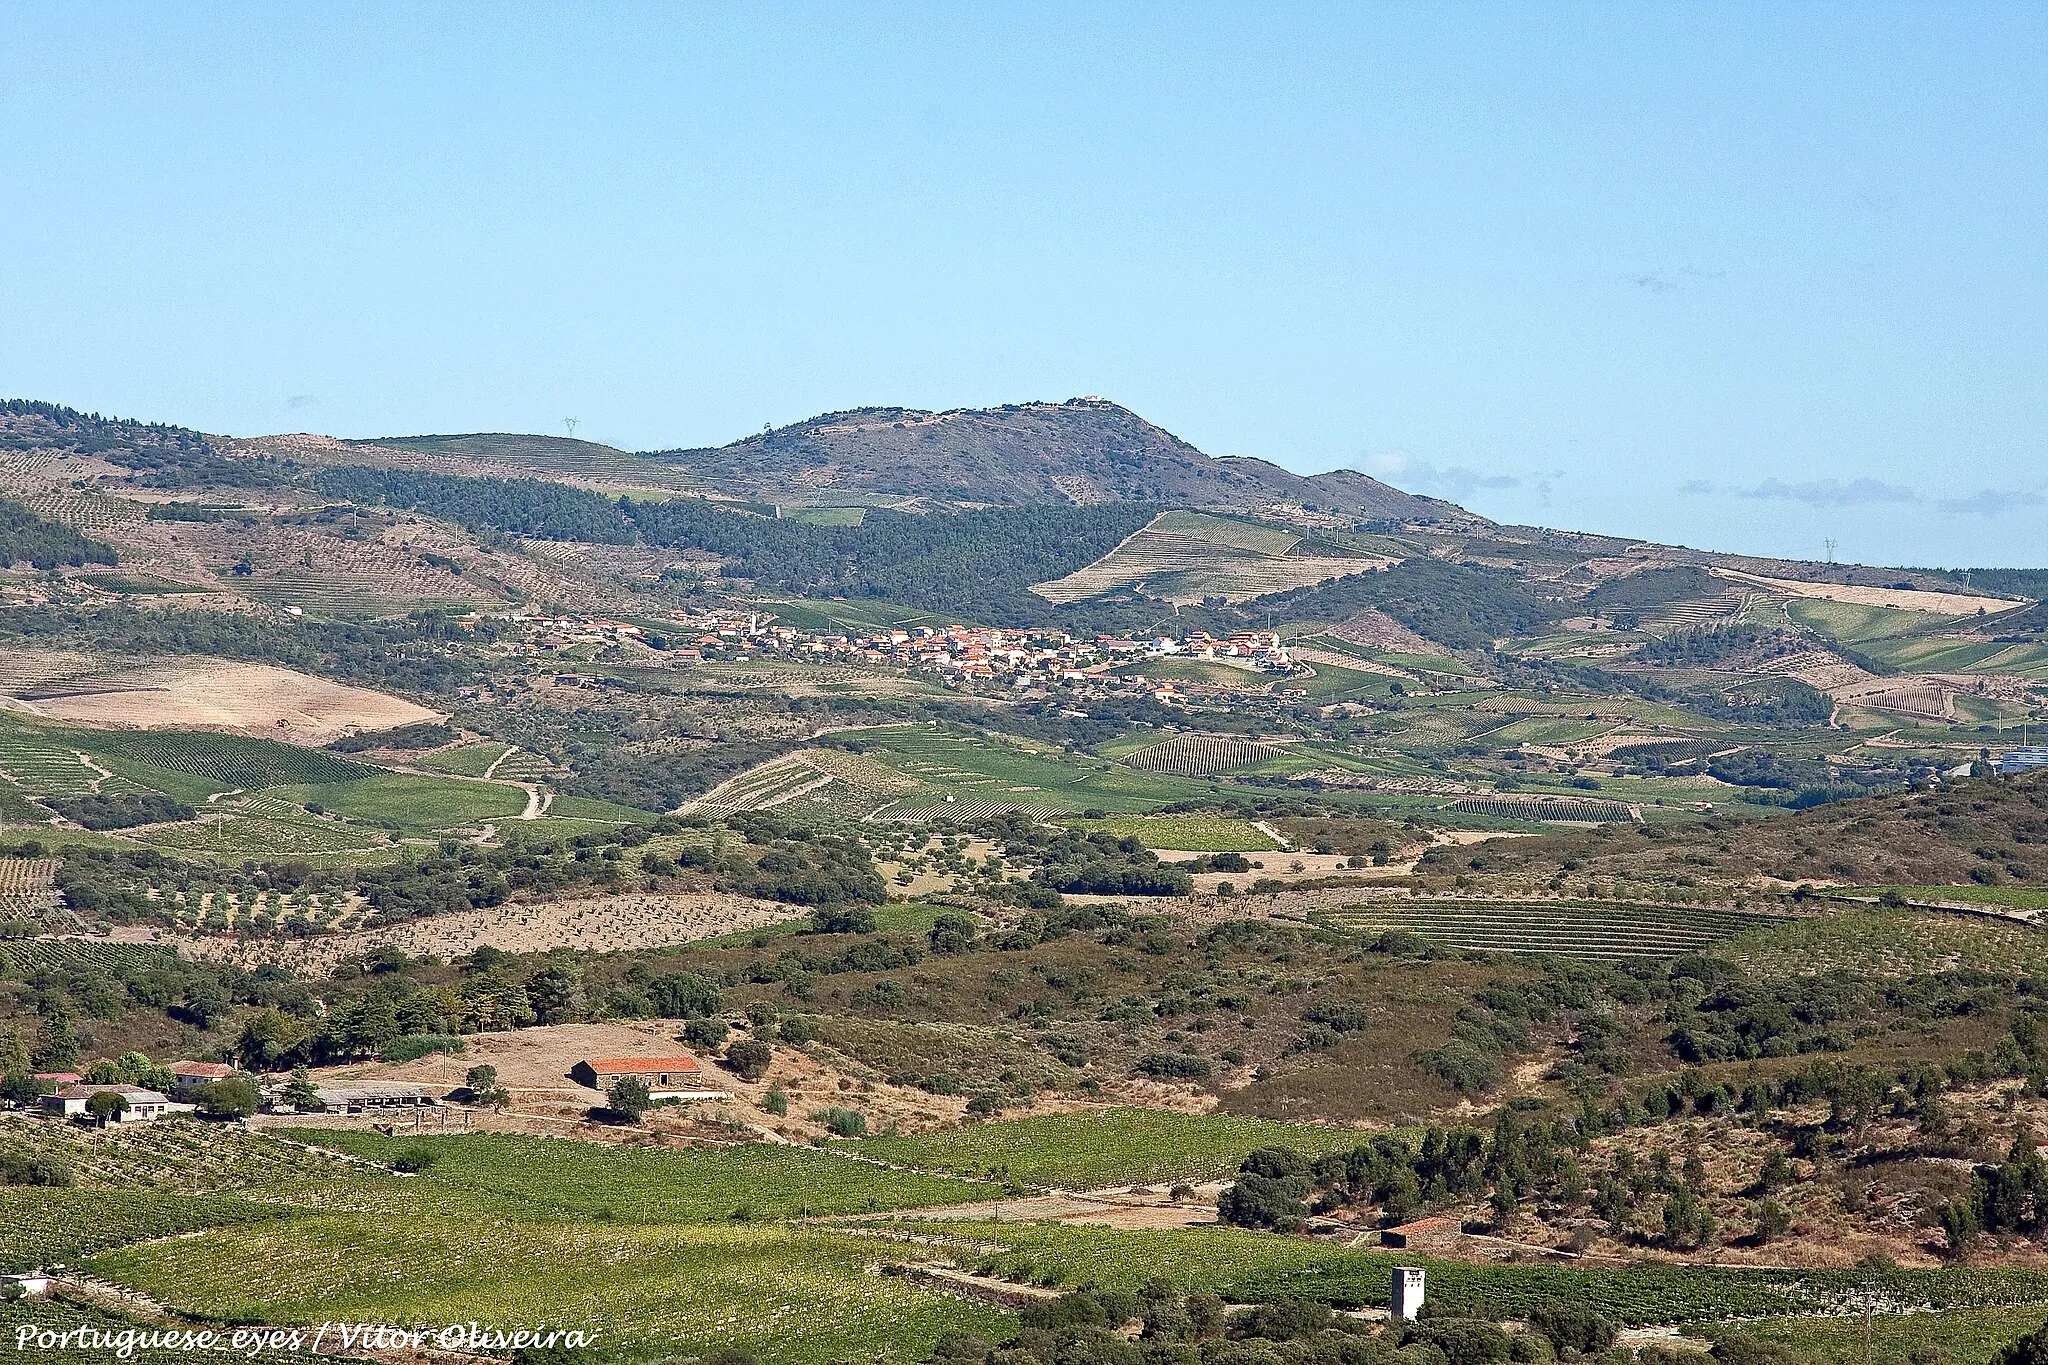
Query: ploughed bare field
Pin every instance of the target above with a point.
(596, 924)
(207, 694)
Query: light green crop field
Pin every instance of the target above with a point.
(466, 760)
(598, 812)
(410, 802)
(1332, 681)
(976, 769)
(1106, 1146)
(1858, 625)
(632, 1185)
(785, 1294)
(1192, 833)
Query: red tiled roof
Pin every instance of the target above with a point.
(212, 1070)
(635, 1064)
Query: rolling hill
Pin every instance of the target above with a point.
(1082, 451)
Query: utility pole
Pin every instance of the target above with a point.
(1830, 544)
(571, 423)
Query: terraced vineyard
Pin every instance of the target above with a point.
(1554, 809)
(27, 890)
(45, 766)
(765, 787)
(1203, 755)
(1584, 929)
(42, 1226)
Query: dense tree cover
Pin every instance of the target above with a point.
(160, 456)
(424, 653)
(977, 564)
(1083, 863)
(69, 1002)
(536, 508)
(800, 866)
(424, 735)
(1706, 648)
(122, 810)
(662, 779)
(26, 538)
(1465, 606)
(1776, 702)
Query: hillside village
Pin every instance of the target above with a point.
(984, 912)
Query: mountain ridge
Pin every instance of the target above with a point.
(1076, 452)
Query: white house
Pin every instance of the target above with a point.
(192, 1074)
(72, 1101)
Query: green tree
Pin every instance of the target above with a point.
(301, 1094)
(484, 1089)
(268, 1038)
(707, 1034)
(750, 1058)
(105, 1104)
(628, 1095)
(1272, 1184)
(2031, 1349)
(234, 1098)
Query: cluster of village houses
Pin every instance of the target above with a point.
(71, 1096)
(965, 651)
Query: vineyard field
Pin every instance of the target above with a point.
(1187, 833)
(1548, 809)
(1251, 1267)
(232, 760)
(1202, 755)
(466, 760)
(410, 802)
(39, 1226)
(1096, 1148)
(627, 1185)
(1568, 929)
(29, 956)
(792, 1296)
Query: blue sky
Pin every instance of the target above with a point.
(1740, 276)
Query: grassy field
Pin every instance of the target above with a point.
(1106, 1146)
(980, 771)
(1193, 833)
